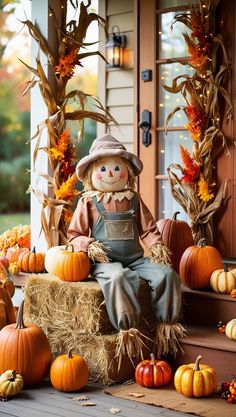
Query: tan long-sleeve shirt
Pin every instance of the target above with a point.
(86, 214)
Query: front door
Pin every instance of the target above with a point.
(162, 55)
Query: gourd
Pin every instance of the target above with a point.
(69, 372)
(14, 268)
(223, 280)
(31, 261)
(197, 264)
(26, 349)
(67, 264)
(230, 329)
(177, 236)
(194, 380)
(153, 373)
(11, 383)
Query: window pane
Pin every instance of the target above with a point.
(171, 41)
(162, 4)
(168, 101)
(169, 148)
(167, 204)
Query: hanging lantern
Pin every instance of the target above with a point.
(115, 49)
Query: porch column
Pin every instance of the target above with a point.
(40, 15)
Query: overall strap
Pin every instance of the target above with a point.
(100, 208)
(134, 204)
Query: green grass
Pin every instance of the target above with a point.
(7, 221)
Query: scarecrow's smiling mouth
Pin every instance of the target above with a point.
(108, 182)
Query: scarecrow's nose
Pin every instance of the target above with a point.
(110, 174)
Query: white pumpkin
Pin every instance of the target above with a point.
(230, 329)
(50, 256)
(223, 280)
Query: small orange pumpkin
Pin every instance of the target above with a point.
(31, 261)
(153, 373)
(194, 380)
(67, 264)
(197, 264)
(69, 372)
(25, 348)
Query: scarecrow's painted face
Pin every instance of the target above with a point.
(110, 174)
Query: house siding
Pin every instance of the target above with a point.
(116, 86)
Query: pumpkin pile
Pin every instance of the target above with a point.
(67, 264)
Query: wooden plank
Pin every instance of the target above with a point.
(120, 79)
(120, 96)
(121, 6)
(123, 115)
(123, 133)
(124, 21)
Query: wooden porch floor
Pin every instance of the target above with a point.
(45, 401)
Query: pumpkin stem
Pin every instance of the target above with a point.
(152, 356)
(175, 215)
(19, 320)
(13, 376)
(33, 250)
(69, 354)
(202, 242)
(225, 268)
(196, 365)
(70, 246)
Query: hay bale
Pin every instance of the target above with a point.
(75, 306)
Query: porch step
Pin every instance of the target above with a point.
(216, 349)
(207, 308)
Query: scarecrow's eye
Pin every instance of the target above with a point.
(117, 168)
(103, 169)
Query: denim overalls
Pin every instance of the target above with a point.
(120, 279)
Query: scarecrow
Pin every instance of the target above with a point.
(108, 223)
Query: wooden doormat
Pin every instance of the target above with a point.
(168, 397)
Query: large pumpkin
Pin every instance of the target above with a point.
(194, 380)
(153, 373)
(69, 372)
(223, 280)
(26, 349)
(31, 261)
(230, 329)
(177, 236)
(197, 264)
(67, 264)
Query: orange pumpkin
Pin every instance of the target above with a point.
(197, 264)
(3, 316)
(9, 309)
(26, 349)
(69, 372)
(14, 252)
(177, 236)
(153, 373)
(31, 261)
(67, 264)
